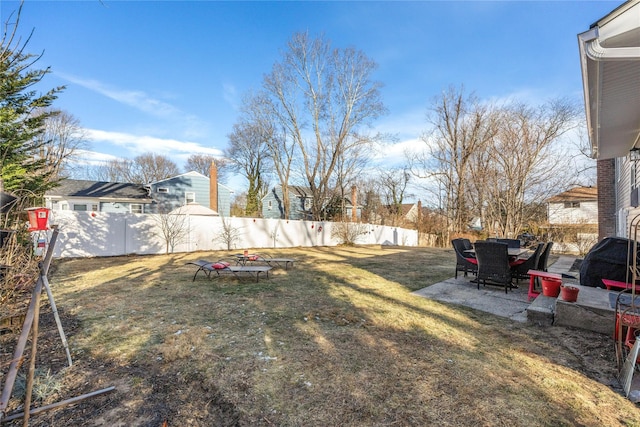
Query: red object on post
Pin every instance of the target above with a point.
(38, 219)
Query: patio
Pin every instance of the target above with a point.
(592, 311)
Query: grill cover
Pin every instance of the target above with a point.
(607, 260)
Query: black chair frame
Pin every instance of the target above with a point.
(493, 264)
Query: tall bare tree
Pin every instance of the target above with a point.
(260, 114)
(461, 125)
(202, 163)
(321, 98)
(249, 155)
(525, 164)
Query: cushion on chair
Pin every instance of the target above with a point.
(472, 260)
(517, 262)
(220, 265)
(253, 257)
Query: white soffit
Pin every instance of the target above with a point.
(610, 60)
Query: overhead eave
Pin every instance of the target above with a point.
(610, 62)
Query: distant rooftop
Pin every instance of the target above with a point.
(577, 194)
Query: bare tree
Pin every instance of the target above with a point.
(202, 163)
(524, 163)
(249, 156)
(173, 229)
(321, 98)
(229, 234)
(143, 169)
(349, 167)
(260, 114)
(61, 140)
(392, 186)
(460, 127)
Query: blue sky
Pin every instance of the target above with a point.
(168, 76)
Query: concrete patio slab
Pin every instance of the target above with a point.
(491, 299)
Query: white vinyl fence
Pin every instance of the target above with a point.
(88, 234)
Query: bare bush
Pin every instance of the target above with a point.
(229, 235)
(348, 232)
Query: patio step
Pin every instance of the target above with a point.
(592, 311)
(541, 311)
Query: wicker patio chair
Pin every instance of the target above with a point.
(519, 268)
(464, 262)
(493, 264)
(544, 257)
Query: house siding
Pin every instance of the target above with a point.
(277, 209)
(192, 182)
(177, 187)
(623, 196)
(586, 213)
(224, 201)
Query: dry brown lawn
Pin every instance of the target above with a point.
(338, 340)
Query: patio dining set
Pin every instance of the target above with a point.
(499, 261)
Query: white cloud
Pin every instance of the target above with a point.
(133, 98)
(88, 157)
(138, 144)
(392, 155)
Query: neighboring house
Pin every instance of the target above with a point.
(159, 197)
(300, 202)
(610, 57)
(577, 206)
(190, 187)
(97, 196)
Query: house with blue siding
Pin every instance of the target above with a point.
(300, 201)
(190, 187)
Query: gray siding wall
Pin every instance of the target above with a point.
(296, 205)
(224, 201)
(177, 188)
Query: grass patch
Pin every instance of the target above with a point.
(337, 340)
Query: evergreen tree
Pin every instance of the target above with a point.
(23, 112)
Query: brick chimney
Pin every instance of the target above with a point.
(354, 203)
(213, 187)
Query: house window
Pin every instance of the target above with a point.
(569, 205)
(269, 205)
(307, 204)
(94, 207)
(162, 190)
(79, 207)
(136, 208)
(64, 206)
(634, 180)
(190, 197)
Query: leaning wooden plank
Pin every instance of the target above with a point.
(35, 411)
(19, 351)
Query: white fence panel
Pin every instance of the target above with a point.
(87, 234)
